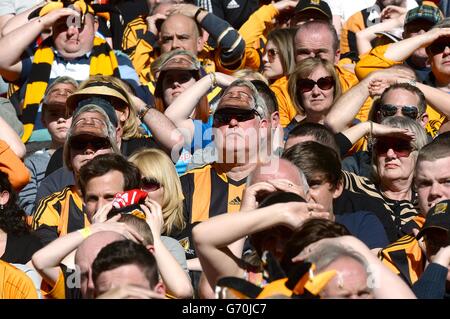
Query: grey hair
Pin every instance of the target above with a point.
(259, 103)
(60, 80)
(328, 253)
(402, 122)
(111, 131)
(251, 178)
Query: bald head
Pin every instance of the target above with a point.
(316, 39)
(90, 247)
(87, 252)
(278, 169)
(180, 32)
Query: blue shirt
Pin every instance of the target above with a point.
(366, 227)
(201, 139)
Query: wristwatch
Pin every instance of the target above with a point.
(142, 112)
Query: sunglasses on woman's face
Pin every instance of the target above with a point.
(150, 184)
(410, 111)
(400, 147)
(82, 143)
(439, 46)
(324, 83)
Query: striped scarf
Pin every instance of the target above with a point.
(102, 62)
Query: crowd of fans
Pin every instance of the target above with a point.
(224, 149)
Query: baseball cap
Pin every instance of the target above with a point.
(321, 7)
(424, 12)
(393, 35)
(437, 217)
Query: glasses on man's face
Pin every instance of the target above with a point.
(410, 111)
(150, 184)
(324, 83)
(82, 143)
(271, 54)
(401, 148)
(225, 115)
(439, 46)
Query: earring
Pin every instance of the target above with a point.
(1, 206)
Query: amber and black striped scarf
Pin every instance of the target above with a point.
(103, 61)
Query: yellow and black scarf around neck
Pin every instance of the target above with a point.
(103, 61)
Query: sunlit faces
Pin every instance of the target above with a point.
(416, 27)
(317, 102)
(322, 192)
(240, 136)
(176, 82)
(395, 159)
(432, 182)
(317, 43)
(57, 122)
(84, 147)
(71, 41)
(273, 69)
(100, 191)
(400, 97)
(154, 189)
(439, 55)
(124, 275)
(350, 281)
(180, 32)
(54, 115)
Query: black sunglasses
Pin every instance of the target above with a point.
(439, 46)
(410, 111)
(324, 83)
(224, 116)
(150, 184)
(81, 143)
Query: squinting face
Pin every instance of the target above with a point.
(71, 41)
(123, 275)
(395, 160)
(179, 32)
(54, 116)
(237, 138)
(350, 282)
(80, 156)
(440, 57)
(317, 102)
(273, 69)
(432, 181)
(318, 43)
(414, 28)
(174, 83)
(100, 191)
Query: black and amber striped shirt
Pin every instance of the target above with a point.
(207, 193)
(59, 214)
(402, 212)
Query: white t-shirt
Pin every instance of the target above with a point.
(16, 6)
(346, 8)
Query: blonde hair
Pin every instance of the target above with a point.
(248, 74)
(130, 126)
(154, 163)
(302, 71)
